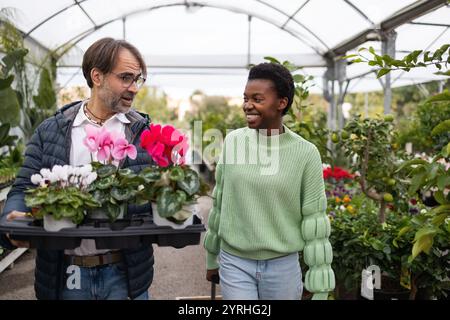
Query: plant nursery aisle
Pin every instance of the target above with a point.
(179, 273)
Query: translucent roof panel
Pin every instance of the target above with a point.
(192, 41)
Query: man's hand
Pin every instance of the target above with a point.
(212, 275)
(14, 215)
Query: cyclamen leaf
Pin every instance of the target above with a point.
(191, 183)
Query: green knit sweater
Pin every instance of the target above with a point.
(269, 201)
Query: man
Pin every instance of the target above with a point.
(114, 70)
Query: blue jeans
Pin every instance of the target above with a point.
(273, 279)
(107, 282)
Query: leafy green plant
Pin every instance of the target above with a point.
(371, 143)
(415, 59)
(113, 188)
(313, 129)
(11, 159)
(429, 114)
(62, 193)
(19, 77)
(172, 188)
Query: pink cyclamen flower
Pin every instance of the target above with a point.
(90, 141)
(150, 136)
(122, 149)
(157, 154)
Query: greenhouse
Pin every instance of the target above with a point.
(159, 144)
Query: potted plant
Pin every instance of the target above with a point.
(171, 186)
(61, 196)
(114, 187)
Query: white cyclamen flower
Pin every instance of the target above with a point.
(53, 177)
(90, 178)
(85, 170)
(61, 172)
(45, 173)
(36, 178)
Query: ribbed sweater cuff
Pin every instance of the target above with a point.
(211, 261)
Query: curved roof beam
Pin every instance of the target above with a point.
(359, 12)
(405, 15)
(72, 42)
(291, 17)
(52, 16)
(85, 13)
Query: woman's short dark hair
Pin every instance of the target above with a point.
(102, 55)
(281, 78)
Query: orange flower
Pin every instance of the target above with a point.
(337, 199)
(347, 199)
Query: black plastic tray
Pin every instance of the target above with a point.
(122, 234)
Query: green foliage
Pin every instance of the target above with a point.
(371, 142)
(415, 59)
(23, 109)
(170, 188)
(153, 102)
(214, 112)
(59, 202)
(113, 188)
(309, 123)
(419, 129)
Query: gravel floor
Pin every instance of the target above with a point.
(178, 272)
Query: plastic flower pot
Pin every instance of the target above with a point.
(100, 213)
(53, 225)
(162, 222)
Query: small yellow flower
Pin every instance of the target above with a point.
(337, 199)
(351, 209)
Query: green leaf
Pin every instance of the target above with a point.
(443, 181)
(126, 173)
(191, 182)
(12, 58)
(176, 174)
(10, 107)
(440, 198)
(106, 170)
(443, 127)
(439, 219)
(122, 194)
(443, 73)
(150, 175)
(410, 163)
(444, 96)
(349, 56)
(416, 183)
(423, 243)
(382, 72)
(357, 60)
(272, 59)
(6, 82)
(113, 211)
(168, 204)
(105, 183)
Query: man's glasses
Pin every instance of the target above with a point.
(128, 79)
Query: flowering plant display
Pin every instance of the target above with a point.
(336, 173)
(171, 184)
(114, 187)
(62, 192)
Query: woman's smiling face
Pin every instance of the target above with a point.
(262, 106)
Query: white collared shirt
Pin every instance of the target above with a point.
(80, 155)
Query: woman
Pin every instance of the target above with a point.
(269, 202)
